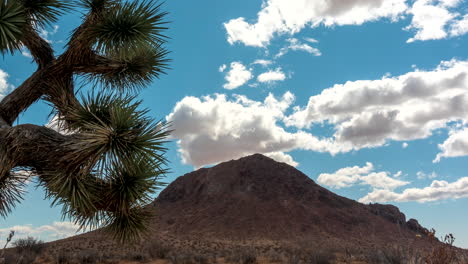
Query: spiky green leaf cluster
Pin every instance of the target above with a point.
(97, 5)
(15, 15)
(128, 26)
(129, 227)
(137, 68)
(12, 23)
(12, 188)
(45, 12)
(116, 165)
(117, 130)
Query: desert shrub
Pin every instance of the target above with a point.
(28, 249)
(320, 257)
(138, 256)
(243, 256)
(442, 254)
(29, 244)
(156, 250)
(180, 259)
(200, 260)
(87, 257)
(393, 256)
(275, 257)
(63, 258)
(294, 256)
(249, 259)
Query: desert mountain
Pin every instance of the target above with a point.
(259, 203)
(256, 197)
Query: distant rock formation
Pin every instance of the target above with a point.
(256, 197)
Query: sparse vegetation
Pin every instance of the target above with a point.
(28, 249)
(157, 250)
(8, 240)
(444, 253)
(29, 244)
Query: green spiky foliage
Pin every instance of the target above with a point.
(44, 12)
(12, 23)
(106, 160)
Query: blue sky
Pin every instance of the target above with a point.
(365, 97)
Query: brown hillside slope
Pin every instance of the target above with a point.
(256, 201)
(256, 197)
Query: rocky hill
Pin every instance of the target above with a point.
(265, 206)
(256, 197)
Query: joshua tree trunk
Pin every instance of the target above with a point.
(105, 160)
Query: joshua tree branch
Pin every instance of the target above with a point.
(40, 49)
(98, 65)
(22, 97)
(42, 149)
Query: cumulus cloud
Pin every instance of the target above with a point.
(4, 85)
(455, 146)
(363, 114)
(237, 76)
(56, 230)
(222, 68)
(438, 190)
(431, 19)
(422, 175)
(279, 17)
(25, 52)
(263, 62)
(212, 129)
(369, 113)
(311, 40)
(349, 176)
(46, 34)
(296, 45)
(282, 157)
(55, 123)
(272, 76)
(460, 27)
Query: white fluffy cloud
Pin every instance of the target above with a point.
(216, 128)
(296, 45)
(237, 76)
(455, 146)
(347, 177)
(431, 19)
(364, 114)
(438, 190)
(282, 157)
(460, 27)
(272, 76)
(422, 175)
(57, 230)
(4, 85)
(222, 68)
(369, 113)
(289, 17)
(46, 34)
(263, 62)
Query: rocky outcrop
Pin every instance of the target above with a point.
(414, 225)
(389, 212)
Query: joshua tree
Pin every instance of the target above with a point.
(106, 159)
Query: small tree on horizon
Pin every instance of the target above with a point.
(106, 166)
